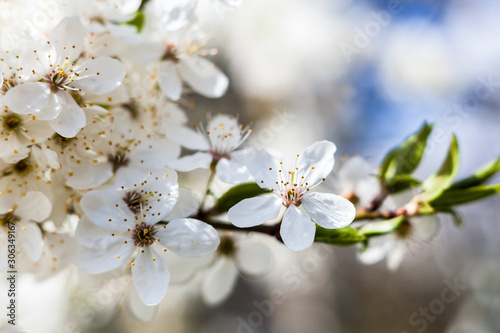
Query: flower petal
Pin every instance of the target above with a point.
(189, 237)
(187, 204)
(67, 38)
(53, 107)
(87, 175)
(297, 229)
(151, 276)
(34, 206)
(254, 211)
(191, 162)
(396, 256)
(115, 254)
(231, 172)
(99, 76)
(261, 165)
(329, 210)
(142, 312)
(319, 156)
(90, 235)
(71, 119)
(219, 282)
(154, 154)
(425, 227)
(203, 76)
(107, 210)
(27, 98)
(169, 81)
(254, 258)
(30, 238)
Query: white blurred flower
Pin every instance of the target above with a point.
(23, 215)
(234, 256)
(291, 188)
(222, 137)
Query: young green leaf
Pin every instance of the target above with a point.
(457, 218)
(238, 193)
(442, 180)
(454, 197)
(383, 227)
(342, 237)
(137, 21)
(401, 182)
(405, 158)
(481, 176)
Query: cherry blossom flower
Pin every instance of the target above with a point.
(26, 211)
(234, 256)
(122, 226)
(56, 78)
(291, 189)
(223, 135)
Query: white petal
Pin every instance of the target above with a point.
(90, 235)
(27, 98)
(396, 256)
(71, 119)
(254, 258)
(329, 210)
(254, 211)
(30, 238)
(52, 108)
(116, 253)
(169, 81)
(189, 237)
(151, 277)
(101, 75)
(319, 156)
(67, 38)
(353, 171)
(142, 312)
(154, 154)
(34, 206)
(261, 165)
(297, 229)
(103, 206)
(191, 162)
(187, 204)
(88, 176)
(228, 3)
(231, 172)
(425, 227)
(186, 137)
(378, 247)
(38, 130)
(219, 282)
(203, 76)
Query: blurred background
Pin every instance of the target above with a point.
(363, 74)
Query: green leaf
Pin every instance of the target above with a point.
(137, 21)
(238, 193)
(381, 228)
(401, 182)
(442, 180)
(481, 176)
(342, 237)
(454, 197)
(405, 158)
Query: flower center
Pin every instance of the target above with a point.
(12, 122)
(8, 218)
(404, 230)
(118, 160)
(23, 167)
(171, 53)
(143, 235)
(227, 247)
(133, 201)
(292, 196)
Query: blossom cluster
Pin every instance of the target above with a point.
(96, 151)
(91, 139)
